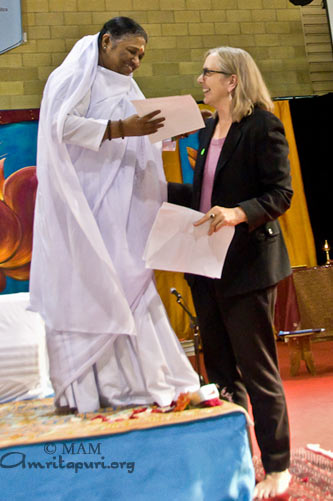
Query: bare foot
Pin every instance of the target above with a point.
(274, 484)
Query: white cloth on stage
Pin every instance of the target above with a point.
(94, 209)
(143, 369)
(24, 370)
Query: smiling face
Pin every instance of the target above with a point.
(122, 56)
(216, 87)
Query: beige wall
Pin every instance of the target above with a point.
(180, 31)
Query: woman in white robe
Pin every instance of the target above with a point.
(100, 184)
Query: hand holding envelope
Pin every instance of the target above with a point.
(174, 244)
(181, 114)
(144, 125)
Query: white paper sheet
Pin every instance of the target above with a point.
(174, 244)
(181, 114)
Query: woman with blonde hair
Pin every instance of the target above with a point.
(242, 179)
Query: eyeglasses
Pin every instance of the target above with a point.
(206, 72)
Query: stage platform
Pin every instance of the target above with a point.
(138, 453)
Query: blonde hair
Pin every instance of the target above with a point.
(250, 89)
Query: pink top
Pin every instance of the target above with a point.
(213, 154)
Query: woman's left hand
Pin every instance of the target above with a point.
(222, 216)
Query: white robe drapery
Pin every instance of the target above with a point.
(95, 206)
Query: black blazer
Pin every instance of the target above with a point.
(253, 173)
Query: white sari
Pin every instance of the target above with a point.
(108, 336)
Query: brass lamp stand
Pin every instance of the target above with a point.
(326, 248)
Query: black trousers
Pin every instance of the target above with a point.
(240, 355)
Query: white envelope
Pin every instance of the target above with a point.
(181, 114)
(174, 244)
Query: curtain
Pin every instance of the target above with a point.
(313, 134)
(295, 223)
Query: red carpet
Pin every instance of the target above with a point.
(312, 477)
(310, 398)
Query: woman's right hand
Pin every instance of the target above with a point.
(142, 126)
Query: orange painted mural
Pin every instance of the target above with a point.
(17, 202)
